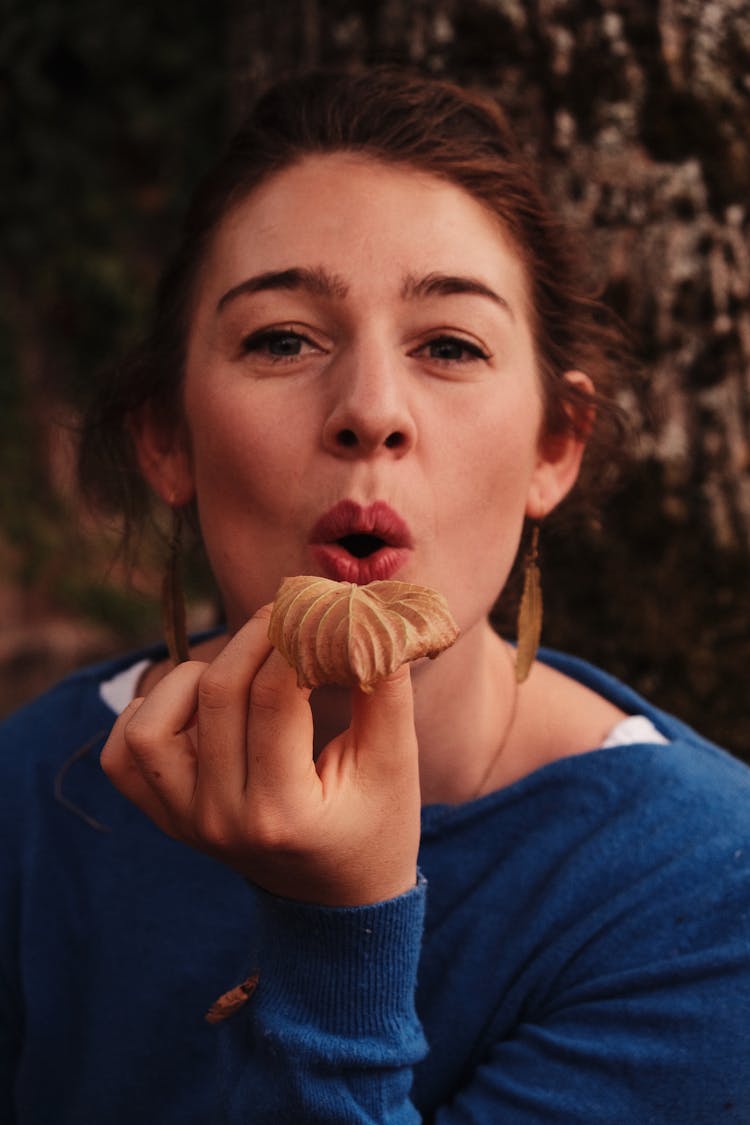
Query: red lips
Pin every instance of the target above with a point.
(356, 544)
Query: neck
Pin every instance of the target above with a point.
(464, 716)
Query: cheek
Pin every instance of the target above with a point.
(483, 506)
(496, 460)
(240, 446)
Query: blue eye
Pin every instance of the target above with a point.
(275, 344)
(452, 349)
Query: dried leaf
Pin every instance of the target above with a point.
(341, 633)
(529, 621)
(231, 1001)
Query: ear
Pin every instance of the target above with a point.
(163, 451)
(560, 454)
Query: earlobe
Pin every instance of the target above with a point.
(163, 454)
(561, 453)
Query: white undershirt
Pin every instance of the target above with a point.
(120, 690)
(633, 729)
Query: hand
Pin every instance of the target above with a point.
(220, 756)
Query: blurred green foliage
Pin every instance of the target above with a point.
(109, 113)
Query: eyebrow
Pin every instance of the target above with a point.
(318, 281)
(448, 285)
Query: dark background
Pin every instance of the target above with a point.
(639, 116)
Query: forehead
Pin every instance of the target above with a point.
(364, 218)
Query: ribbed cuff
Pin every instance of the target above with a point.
(349, 971)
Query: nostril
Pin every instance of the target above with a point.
(349, 439)
(346, 437)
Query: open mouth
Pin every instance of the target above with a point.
(361, 544)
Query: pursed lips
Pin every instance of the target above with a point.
(360, 544)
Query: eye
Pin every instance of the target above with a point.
(453, 349)
(277, 344)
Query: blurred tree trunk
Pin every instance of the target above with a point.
(638, 114)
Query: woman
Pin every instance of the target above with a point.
(371, 359)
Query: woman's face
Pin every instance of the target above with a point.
(361, 395)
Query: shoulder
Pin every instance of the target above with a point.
(614, 888)
(615, 885)
(649, 830)
(689, 776)
(620, 875)
(651, 843)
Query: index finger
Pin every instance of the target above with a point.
(280, 729)
(223, 703)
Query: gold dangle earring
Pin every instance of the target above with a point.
(172, 597)
(529, 611)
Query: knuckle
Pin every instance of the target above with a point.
(214, 693)
(265, 695)
(212, 829)
(262, 834)
(272, 832)
(140, 737)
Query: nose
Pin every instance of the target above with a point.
(370, 413)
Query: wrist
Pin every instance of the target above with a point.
(341, 967)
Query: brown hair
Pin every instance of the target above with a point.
(402, 118)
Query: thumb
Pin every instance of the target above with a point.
(383, 719)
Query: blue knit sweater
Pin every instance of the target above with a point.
(577, 951)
